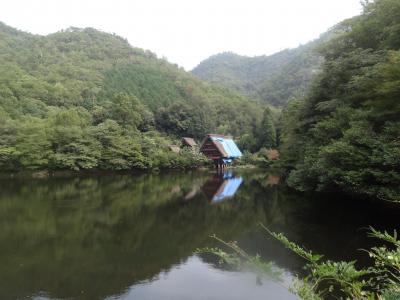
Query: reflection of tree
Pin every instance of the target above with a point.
(101, 235)
(327, 223)
(97, 236)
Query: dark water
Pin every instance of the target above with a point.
(134, 236)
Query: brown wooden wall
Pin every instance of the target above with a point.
(210, 150)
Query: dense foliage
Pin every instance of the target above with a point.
(274, 79)
(83, 99)
(328, 279)
(345, 133)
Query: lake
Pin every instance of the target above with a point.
(135, 236)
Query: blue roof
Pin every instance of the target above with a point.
(230, 188)
(229, 146)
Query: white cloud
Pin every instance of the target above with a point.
(187, 31)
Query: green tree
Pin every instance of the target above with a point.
(72, 145)
(33, 144)
(345, 134)
(119, 150)
(266, 132)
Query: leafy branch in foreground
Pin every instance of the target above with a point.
(387, 263)
(241, 260)
(329, 279)
(308, 255)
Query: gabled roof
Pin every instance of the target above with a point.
(189, 141)
(174, 148)
(226, 145)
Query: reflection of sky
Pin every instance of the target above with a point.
(197, 280)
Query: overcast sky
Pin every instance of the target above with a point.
(187, 31)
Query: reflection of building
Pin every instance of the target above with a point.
(221, 186)
(221, 149)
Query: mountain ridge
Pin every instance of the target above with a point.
(274, 79)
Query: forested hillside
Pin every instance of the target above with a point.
(274, 79)
(346, 133)
(82, 99)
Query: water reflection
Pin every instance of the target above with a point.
(133, 237)
(98, 236)
(221, 186)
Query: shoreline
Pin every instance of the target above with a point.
(44, 174)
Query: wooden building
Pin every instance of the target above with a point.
(189, 142)
(174, 148)
(220, 148)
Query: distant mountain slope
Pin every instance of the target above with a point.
(82, 99)
(87, 67)
(275, 79)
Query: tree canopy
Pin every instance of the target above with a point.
(345, 133)
(83, 99)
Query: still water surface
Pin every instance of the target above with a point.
(135, 236)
